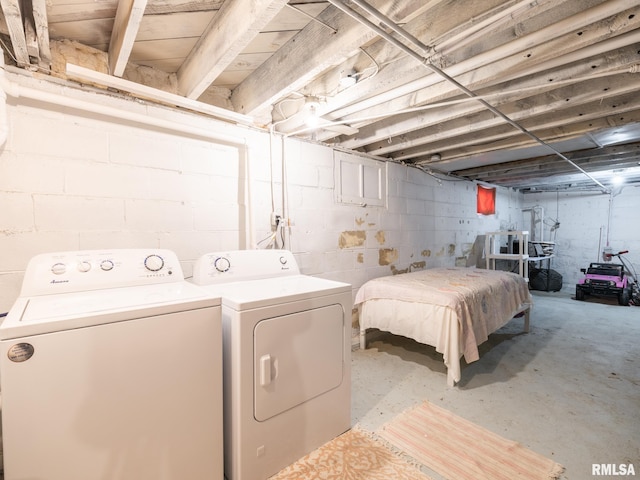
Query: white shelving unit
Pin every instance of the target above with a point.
(493, 242)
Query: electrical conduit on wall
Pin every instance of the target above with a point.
(12, 89)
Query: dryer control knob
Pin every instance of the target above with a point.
(283, 260)
(59, 268)
(154, 263)
(84, 266)
(222, 264)
(106, 265)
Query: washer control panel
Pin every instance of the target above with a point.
(236, 265)
(77, 271)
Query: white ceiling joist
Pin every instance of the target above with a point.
(13, 17)
(42, 32)
(125, 29)
(230, 31)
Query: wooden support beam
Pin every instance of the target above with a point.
(231, 30)
(13, 16)
(41, 25)
(125, 29)
(300, 60)
(31, 39)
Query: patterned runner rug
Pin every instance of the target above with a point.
(354, 455)
(460, 450)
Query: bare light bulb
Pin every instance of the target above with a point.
(312, 119)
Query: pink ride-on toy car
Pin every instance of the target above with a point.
(605, 279)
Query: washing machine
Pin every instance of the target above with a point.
(287, 358)
(111, 368)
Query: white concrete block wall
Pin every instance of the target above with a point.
(71, 180)
(76, 180)
(588, 221)
(47, 134)
(426, 221)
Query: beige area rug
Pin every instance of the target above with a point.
(460, 450)
(354, 455)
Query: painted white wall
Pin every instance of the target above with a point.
(71, 180)
(589, 221)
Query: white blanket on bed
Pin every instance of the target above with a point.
(472, 303)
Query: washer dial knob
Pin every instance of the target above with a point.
(222, 264)
(154, 263)
(59, 268)
(84, 266)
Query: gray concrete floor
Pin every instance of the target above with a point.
(569, 389)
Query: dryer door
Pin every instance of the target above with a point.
(296, 358)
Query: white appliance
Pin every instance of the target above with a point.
(287, 358)
(111, 368)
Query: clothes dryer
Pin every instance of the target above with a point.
(287, 358)
(111, 368)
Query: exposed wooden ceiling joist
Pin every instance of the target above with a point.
(125, 29)
(13, 17)
(228, 34)
(564, 70)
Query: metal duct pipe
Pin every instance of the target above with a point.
(425, 61)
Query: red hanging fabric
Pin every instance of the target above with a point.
(486, 200)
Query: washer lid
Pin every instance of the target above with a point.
(245, 295)
(53, 313)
